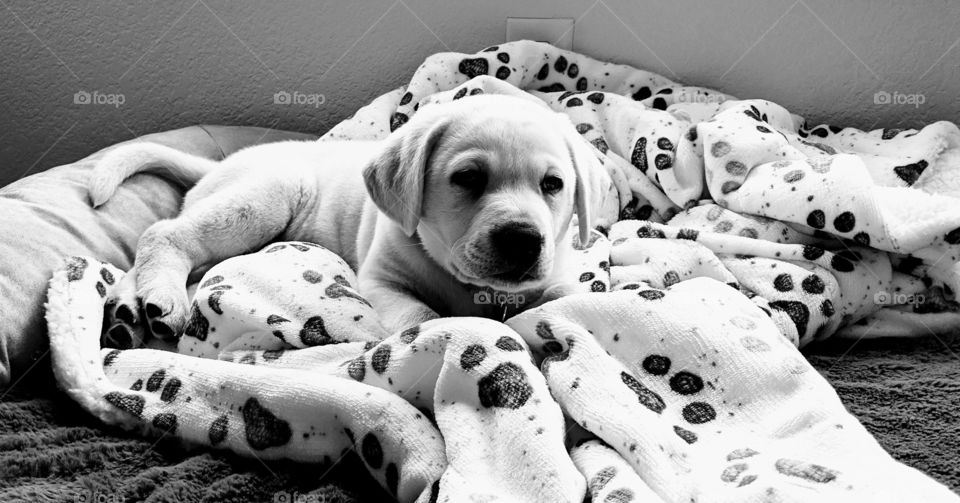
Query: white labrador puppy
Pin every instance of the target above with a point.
(475, 193)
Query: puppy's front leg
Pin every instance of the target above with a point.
(238, 218)
(398, 307)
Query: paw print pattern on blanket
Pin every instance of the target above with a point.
(275, 414)
(711, 217)
(675, 398)
(307, 299)
(832, 191)
(589, 268)
(272, 413)
(883, 146)
(808, 291)
(432, 410)
(650, 259)
(609, 477)
(489, 401)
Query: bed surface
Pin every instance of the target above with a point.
(905, 392)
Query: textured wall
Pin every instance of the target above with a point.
(213, 61)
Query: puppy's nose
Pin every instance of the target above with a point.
(519, 244)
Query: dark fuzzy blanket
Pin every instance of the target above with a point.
(904, 391)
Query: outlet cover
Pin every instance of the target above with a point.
(556, 31)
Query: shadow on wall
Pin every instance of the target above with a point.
(78, 77)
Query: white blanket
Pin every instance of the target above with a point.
(675, 375)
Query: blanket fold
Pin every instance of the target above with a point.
(730, 233)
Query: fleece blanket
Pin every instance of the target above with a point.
(774, 233)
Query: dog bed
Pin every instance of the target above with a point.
(668, 407)
(46, 216)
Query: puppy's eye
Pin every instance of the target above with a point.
(473, 180)
(551, 184)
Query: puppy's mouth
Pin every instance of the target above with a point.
(477, 261)
(509, 280)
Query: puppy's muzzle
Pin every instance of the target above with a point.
(518, 245)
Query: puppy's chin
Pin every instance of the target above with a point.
(513, 287)
(534, 280)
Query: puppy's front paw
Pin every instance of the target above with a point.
(165, 309)
(122, 307)
(123, 336)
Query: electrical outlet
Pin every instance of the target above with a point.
(556, 31)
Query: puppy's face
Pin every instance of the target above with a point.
(499, 195)
(499, 183)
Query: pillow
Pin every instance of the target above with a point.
(47, 216)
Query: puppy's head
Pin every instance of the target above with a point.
(490, 184)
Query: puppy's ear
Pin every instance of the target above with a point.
(395, 177)
(589, 177)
